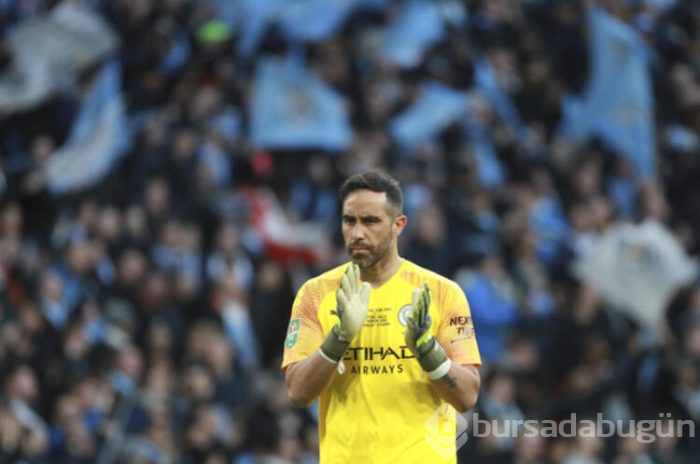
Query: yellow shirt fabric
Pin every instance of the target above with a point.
(375, 412)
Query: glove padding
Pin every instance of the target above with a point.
(352, 299)
(419, 339)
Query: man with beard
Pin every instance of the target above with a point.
(380, 341)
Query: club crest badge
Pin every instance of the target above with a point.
(403, 314)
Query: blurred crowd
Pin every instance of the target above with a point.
(142, 320)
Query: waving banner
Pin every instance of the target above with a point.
(637, 268)
(48, 54)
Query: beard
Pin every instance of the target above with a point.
(369, 255)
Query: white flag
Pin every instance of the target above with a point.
(49, 53)
(637, 268)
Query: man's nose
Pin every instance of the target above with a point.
(357, 231)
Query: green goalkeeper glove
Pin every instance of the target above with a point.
(352, 299)
(429, 353)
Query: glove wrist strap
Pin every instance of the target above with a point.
(333, 348)
(432, 356)
(440, 371)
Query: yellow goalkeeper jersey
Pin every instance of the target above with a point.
(375, 412)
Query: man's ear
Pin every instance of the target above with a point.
(400, 224)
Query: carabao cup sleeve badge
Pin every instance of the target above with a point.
(293, 332)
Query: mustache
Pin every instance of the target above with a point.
(359, 245)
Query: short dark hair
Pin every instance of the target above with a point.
(375, 181)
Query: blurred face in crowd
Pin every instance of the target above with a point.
(135, 221)
(530, 448)
(130, 361)
(157, 196)
(80, 257)
(198, 384)
(11, 220)
(271, 276)
(22, 385)
(370, 227)
(109, 223)
(692, 340)
(132, 267)
(502, 389)
(51, 286)
(430, 228)
(228, 239)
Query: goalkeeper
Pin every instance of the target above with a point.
(380, 341)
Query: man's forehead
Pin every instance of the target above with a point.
(365, 202)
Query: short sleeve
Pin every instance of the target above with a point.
(304, 334)
(456, 328)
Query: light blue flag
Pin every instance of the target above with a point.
(313, 20)
(574, 123)
(488, 166)
(302, 20)
(98, 136)
(485, 79)
(105, 91)
(374, 4)
(251, 18)
(177, 56)
(436, 108)
(293, 109)
(225, 10)
(417, 26)
(618, 104)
